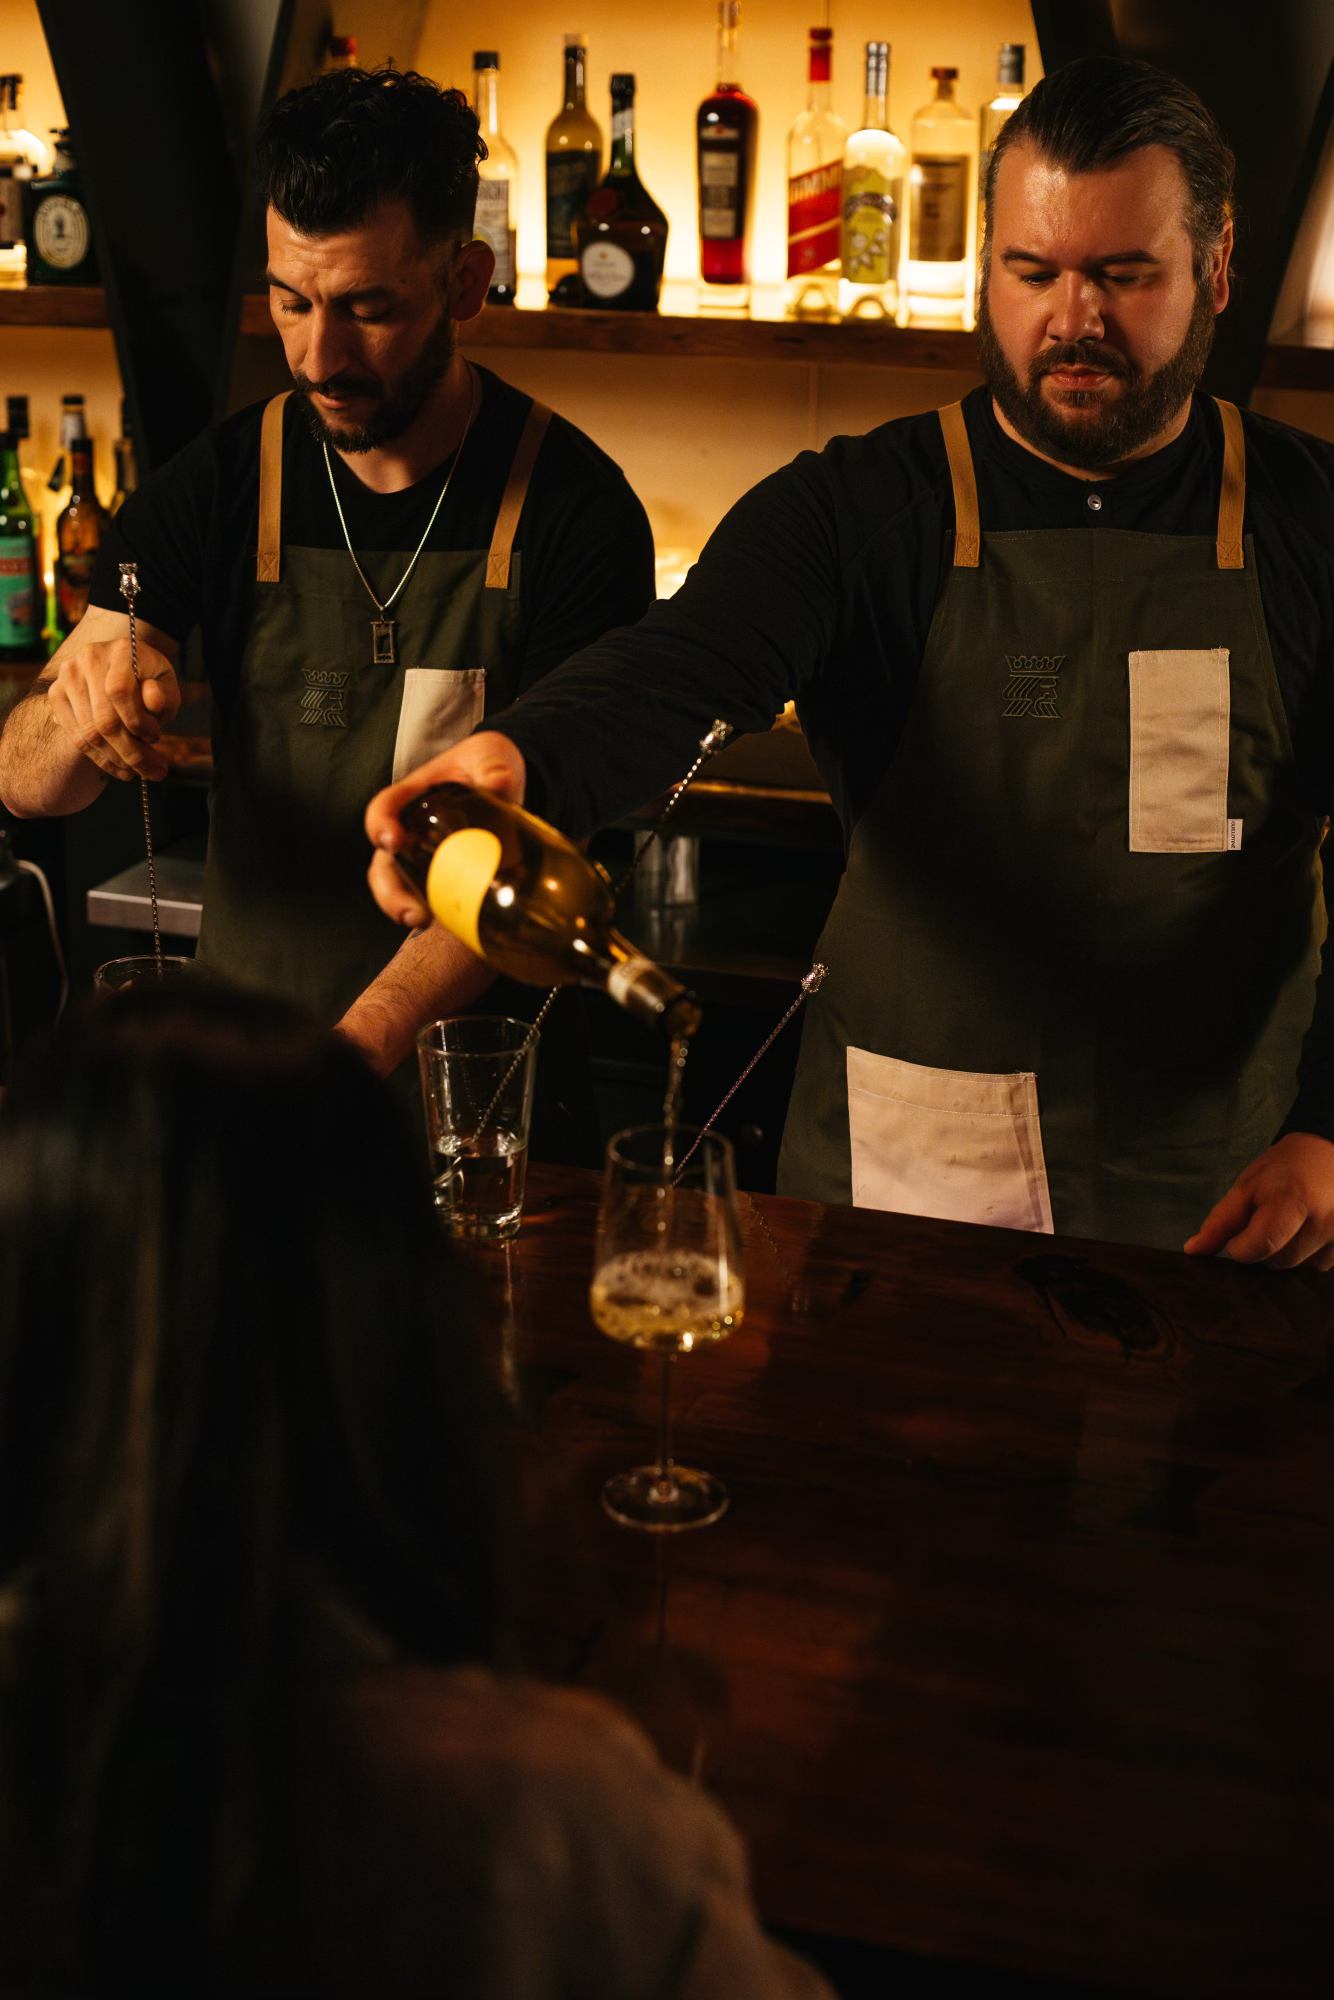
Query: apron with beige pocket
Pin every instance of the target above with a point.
(1074, 953)
(319, 725)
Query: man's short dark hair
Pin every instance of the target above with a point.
(332, 151)
(1090, 113)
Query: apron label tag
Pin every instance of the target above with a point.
(1033, 685)
(322, 705)
(1233, 835)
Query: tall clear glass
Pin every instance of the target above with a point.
(477, 1076)
(667, 1275)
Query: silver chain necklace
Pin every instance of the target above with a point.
(384, 629)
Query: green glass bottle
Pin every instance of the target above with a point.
(21, 600)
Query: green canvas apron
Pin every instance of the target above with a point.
(318, 726)
(1074, 952)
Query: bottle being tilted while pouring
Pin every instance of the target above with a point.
(523, 897)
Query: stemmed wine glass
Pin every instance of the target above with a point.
(667, 1274)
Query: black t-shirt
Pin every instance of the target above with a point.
(585, 539)
(820, 585)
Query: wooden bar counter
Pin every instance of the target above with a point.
(1015, 1645)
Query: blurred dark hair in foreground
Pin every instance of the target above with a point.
(239, 1430)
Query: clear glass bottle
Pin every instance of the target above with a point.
(22, 598)
(937, 274)
(727, 133)
(22, 155)
(815, 145)
(574, 164)
(621, 232)
(875, 164)
(496, 220)
(525, 899)
(1009, 96)
(79, 532)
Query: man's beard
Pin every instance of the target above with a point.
(1081, 430)
(396, 412)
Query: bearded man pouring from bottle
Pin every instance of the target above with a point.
(1065, 656)
(372, 563)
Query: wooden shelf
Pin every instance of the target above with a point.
(856, 342)
(53, 305)
(729, 338)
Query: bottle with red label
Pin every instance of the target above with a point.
(814, 191)
(21, 599)
(727, 127)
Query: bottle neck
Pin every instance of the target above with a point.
(81, 469)
(819, 76)
(574, 80)
(875, 117)
(623, 142)
(10, 475)
(71, 428)
(728, 67)
(486, 102)
(944, 90)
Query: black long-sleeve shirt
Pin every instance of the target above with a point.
(819, 587)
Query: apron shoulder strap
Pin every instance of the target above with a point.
(967, 523)
(511, 505)
(268, 554)
(1232, 493)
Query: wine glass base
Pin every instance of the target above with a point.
(686, 1499)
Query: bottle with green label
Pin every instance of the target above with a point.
(60, 236)
(574, 164)
(21, 598)
(871, 222)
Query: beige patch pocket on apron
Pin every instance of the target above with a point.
(1180, 711)
(963, 1145)
(441, 705)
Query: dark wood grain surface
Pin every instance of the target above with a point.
(1015, 1645)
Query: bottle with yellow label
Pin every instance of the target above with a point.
(874, 165)
(524, 898)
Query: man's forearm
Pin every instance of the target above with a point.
(431, 975)
(41, 771)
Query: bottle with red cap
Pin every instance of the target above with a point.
(814, 182)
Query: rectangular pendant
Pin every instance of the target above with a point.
(383, 653)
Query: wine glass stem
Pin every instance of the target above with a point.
(663, 1467)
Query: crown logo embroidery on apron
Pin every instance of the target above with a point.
(1033, 685)
(323, 702)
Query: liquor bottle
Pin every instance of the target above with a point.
(22, 155)
(574, 164)
(59, 237)
(875, 165)
(19, 425)
(620, 230)
(497, 214)
(727, 131)
(1009, 96)
(78, 536)
(127, 473)
(523, 897)
(814, 177)
(340, 52)
(937, 275)
(22, 599)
